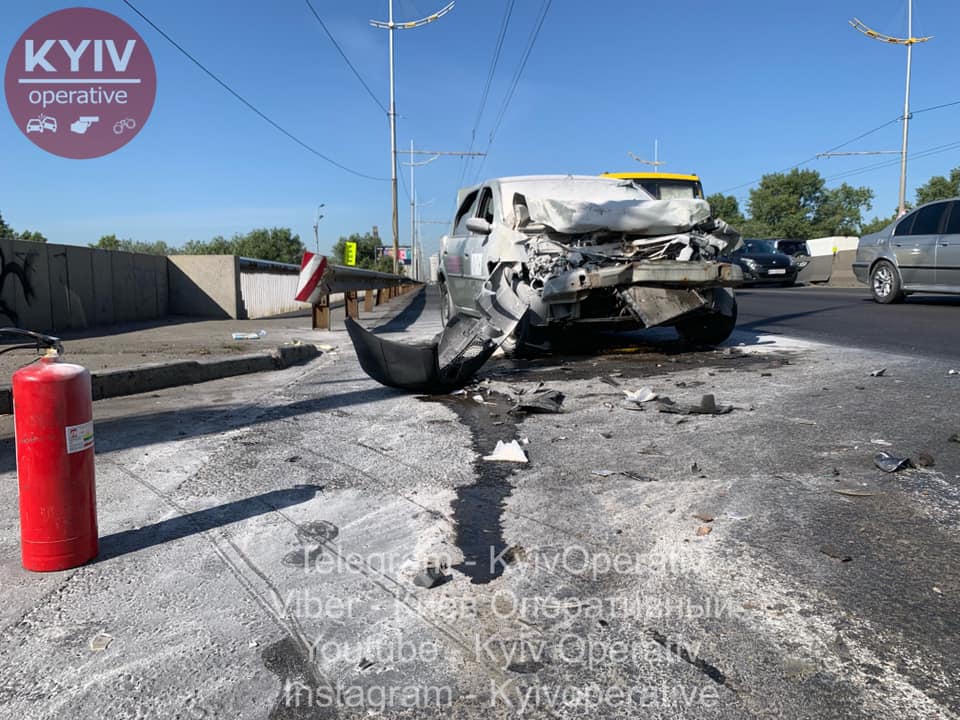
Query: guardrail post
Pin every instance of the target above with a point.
(368, 300)
(321, 313)
(350, 307)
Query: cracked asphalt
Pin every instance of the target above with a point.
(260, 538)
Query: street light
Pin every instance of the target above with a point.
(909, 41)
(391, 26)
(316, 227)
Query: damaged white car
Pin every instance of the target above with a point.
(530, 255)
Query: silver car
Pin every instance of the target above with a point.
(920, 252)
(588, 251)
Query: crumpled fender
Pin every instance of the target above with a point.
(456, 354)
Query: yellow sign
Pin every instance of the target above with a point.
(350, 253)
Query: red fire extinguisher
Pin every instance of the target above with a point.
(53, 421)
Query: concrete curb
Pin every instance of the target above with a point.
(145, 378)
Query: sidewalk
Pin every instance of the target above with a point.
(192, 350)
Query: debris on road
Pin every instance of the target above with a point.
(609, 381)
(100, 642)
(878, 373)
(704, 517)
(642, 395)
(704, 530)
(881, 442)
(604, 473)
(507, 452)
(478, 399)
(925, 459)
(249, 335)
(891, 463)
(707, 406)
(853, 492)
(954, 438)
(541, 400)
(835, 553)
(431, 577)
(953, 372)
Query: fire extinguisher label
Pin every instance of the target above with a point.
(80, 437)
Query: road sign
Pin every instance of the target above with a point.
(350, 253)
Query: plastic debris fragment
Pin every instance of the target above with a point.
(890, 463)
(507, 452)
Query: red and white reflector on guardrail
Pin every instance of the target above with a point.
(310, 287)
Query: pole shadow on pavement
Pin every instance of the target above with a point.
(128, 541)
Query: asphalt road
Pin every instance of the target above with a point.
(923, 325)
(261, 539)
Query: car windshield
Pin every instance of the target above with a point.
(758, 246)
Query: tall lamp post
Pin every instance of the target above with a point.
(909, 41)
(390, 25)
(316, 227)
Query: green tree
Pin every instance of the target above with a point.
(34, 236)
(939, 188)
(726, 208)
(877, 224)
(217, 246)
(367, 259)
(799, 205)
(277, 244)
(6, 232)
(112, 242)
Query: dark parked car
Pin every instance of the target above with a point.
(918, 253)
(762, 263)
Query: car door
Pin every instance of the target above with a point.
(452, 251)
(914, 243)
(948, 250)
(476, 244)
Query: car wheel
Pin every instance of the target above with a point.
(447, 309)
(885, 283)
(710, 329)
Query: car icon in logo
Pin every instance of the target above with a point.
(42, 123)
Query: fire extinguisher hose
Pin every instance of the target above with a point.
(39, 340)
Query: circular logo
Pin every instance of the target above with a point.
(80, 83)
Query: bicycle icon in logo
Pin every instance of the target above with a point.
(121, 125)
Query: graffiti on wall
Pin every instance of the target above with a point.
(18, 268)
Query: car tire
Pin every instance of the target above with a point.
(711, 329)
(447, 309)
(885, 283)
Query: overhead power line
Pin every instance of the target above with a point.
(515, 81)
(849, 142)
(246, 102)
(345, 58)
(498, 47)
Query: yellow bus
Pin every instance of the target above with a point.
(663, 186)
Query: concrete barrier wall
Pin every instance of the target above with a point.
(49, 288)
(842, 274)
(205, 286)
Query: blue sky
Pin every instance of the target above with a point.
(731, 90)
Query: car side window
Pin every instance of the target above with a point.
(459, 225)
(905, 226)
(953, 222)
(928, 219)
(486, 205)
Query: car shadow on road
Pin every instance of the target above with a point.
(200, 521)
(407, 317)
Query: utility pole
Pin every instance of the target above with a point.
(390, 25)
(909, 41)
(656, 162)
(316, 227)
(434, 154)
